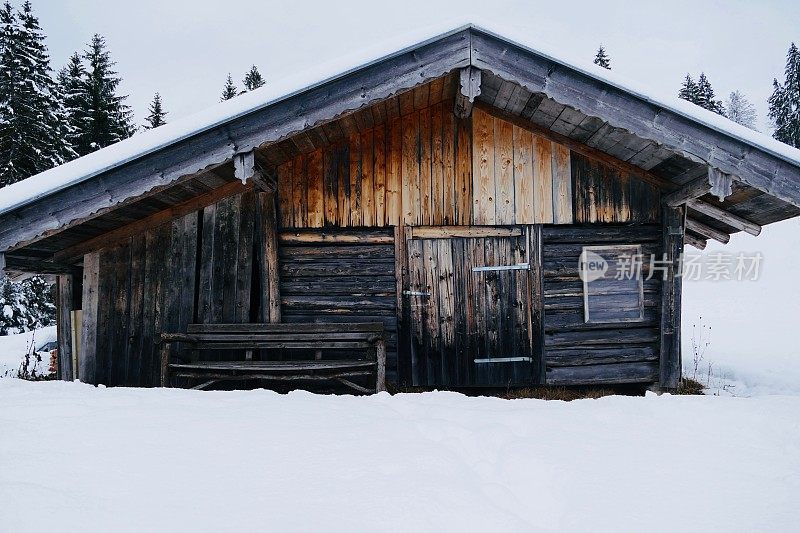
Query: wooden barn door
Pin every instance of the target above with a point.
(470, 295)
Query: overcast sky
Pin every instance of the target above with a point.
(185, 49)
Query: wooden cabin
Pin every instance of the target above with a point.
(446, 192)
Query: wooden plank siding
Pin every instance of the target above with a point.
(413, 202)
(428, 168)
(577, 352)
(348, 276)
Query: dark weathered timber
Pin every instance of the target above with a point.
(725, 217)
(690, 191)
(367, 337)
(707, 231)
(322, 102)
(64, 307)
(613, 373)
(87, 359)
(670, 351)
(595, 356)
(693, 240)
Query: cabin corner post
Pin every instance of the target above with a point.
(270, 273)
(64, 307)
(87, 359)
(673, 228)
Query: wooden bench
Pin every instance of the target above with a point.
(364, 338)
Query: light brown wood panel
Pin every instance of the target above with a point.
(427, 167)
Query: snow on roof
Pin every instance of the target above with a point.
(141, 144)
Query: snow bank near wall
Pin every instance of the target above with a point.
(14, 347)
(175, 460)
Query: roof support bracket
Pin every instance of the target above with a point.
(716, 182)
(469, 89)
(246, 168)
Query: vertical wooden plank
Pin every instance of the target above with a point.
(344, 185)
(367, 179)
(64, 306)
(446, 312)
(430, 310)
(331, 168)
(523, 176)
(271, 257)
(483, 183)
(315, 214)
(299, 192)
(463, 179)
(448, 209)
(121, 315)
(415, 304)
(285, 195)
(87, 359)
(226, 254)
(379, 180)
(543, 180)
(437, 171)
(425, 177)
(562, 185)
(673, 229)
(244, 262)
(394, 195)
(356, 208)
(205, 301)
(410, 170)
(135, 346)
(536, 303)
(504, 171)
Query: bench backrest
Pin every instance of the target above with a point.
(369, 329)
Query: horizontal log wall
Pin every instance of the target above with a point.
(429, 168)
(581, 353)
(348, 276)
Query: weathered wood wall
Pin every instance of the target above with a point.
(203, 267)
(428, 168)
(581, 353)
(337, 208)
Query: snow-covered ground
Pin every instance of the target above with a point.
(80, 458)
(13, 349)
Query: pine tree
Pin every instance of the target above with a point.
(25, 306)
(707, 97)
(739, 109)
(75, 98)
(108, 118)
(230, 89)
(700, 93)
(689, 90)
(253, 79)
(157, 114)
(602, 59)
(33, 128)
(784, 104)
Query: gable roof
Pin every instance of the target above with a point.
(161, 156)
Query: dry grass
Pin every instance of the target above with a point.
(566, 394)
(690, 386)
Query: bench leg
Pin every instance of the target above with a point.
(164, 364)
(380, 377)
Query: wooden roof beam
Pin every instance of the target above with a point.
(691, 240)
(725, 217)
(469, 89)
(707, 231)
(715, 181)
